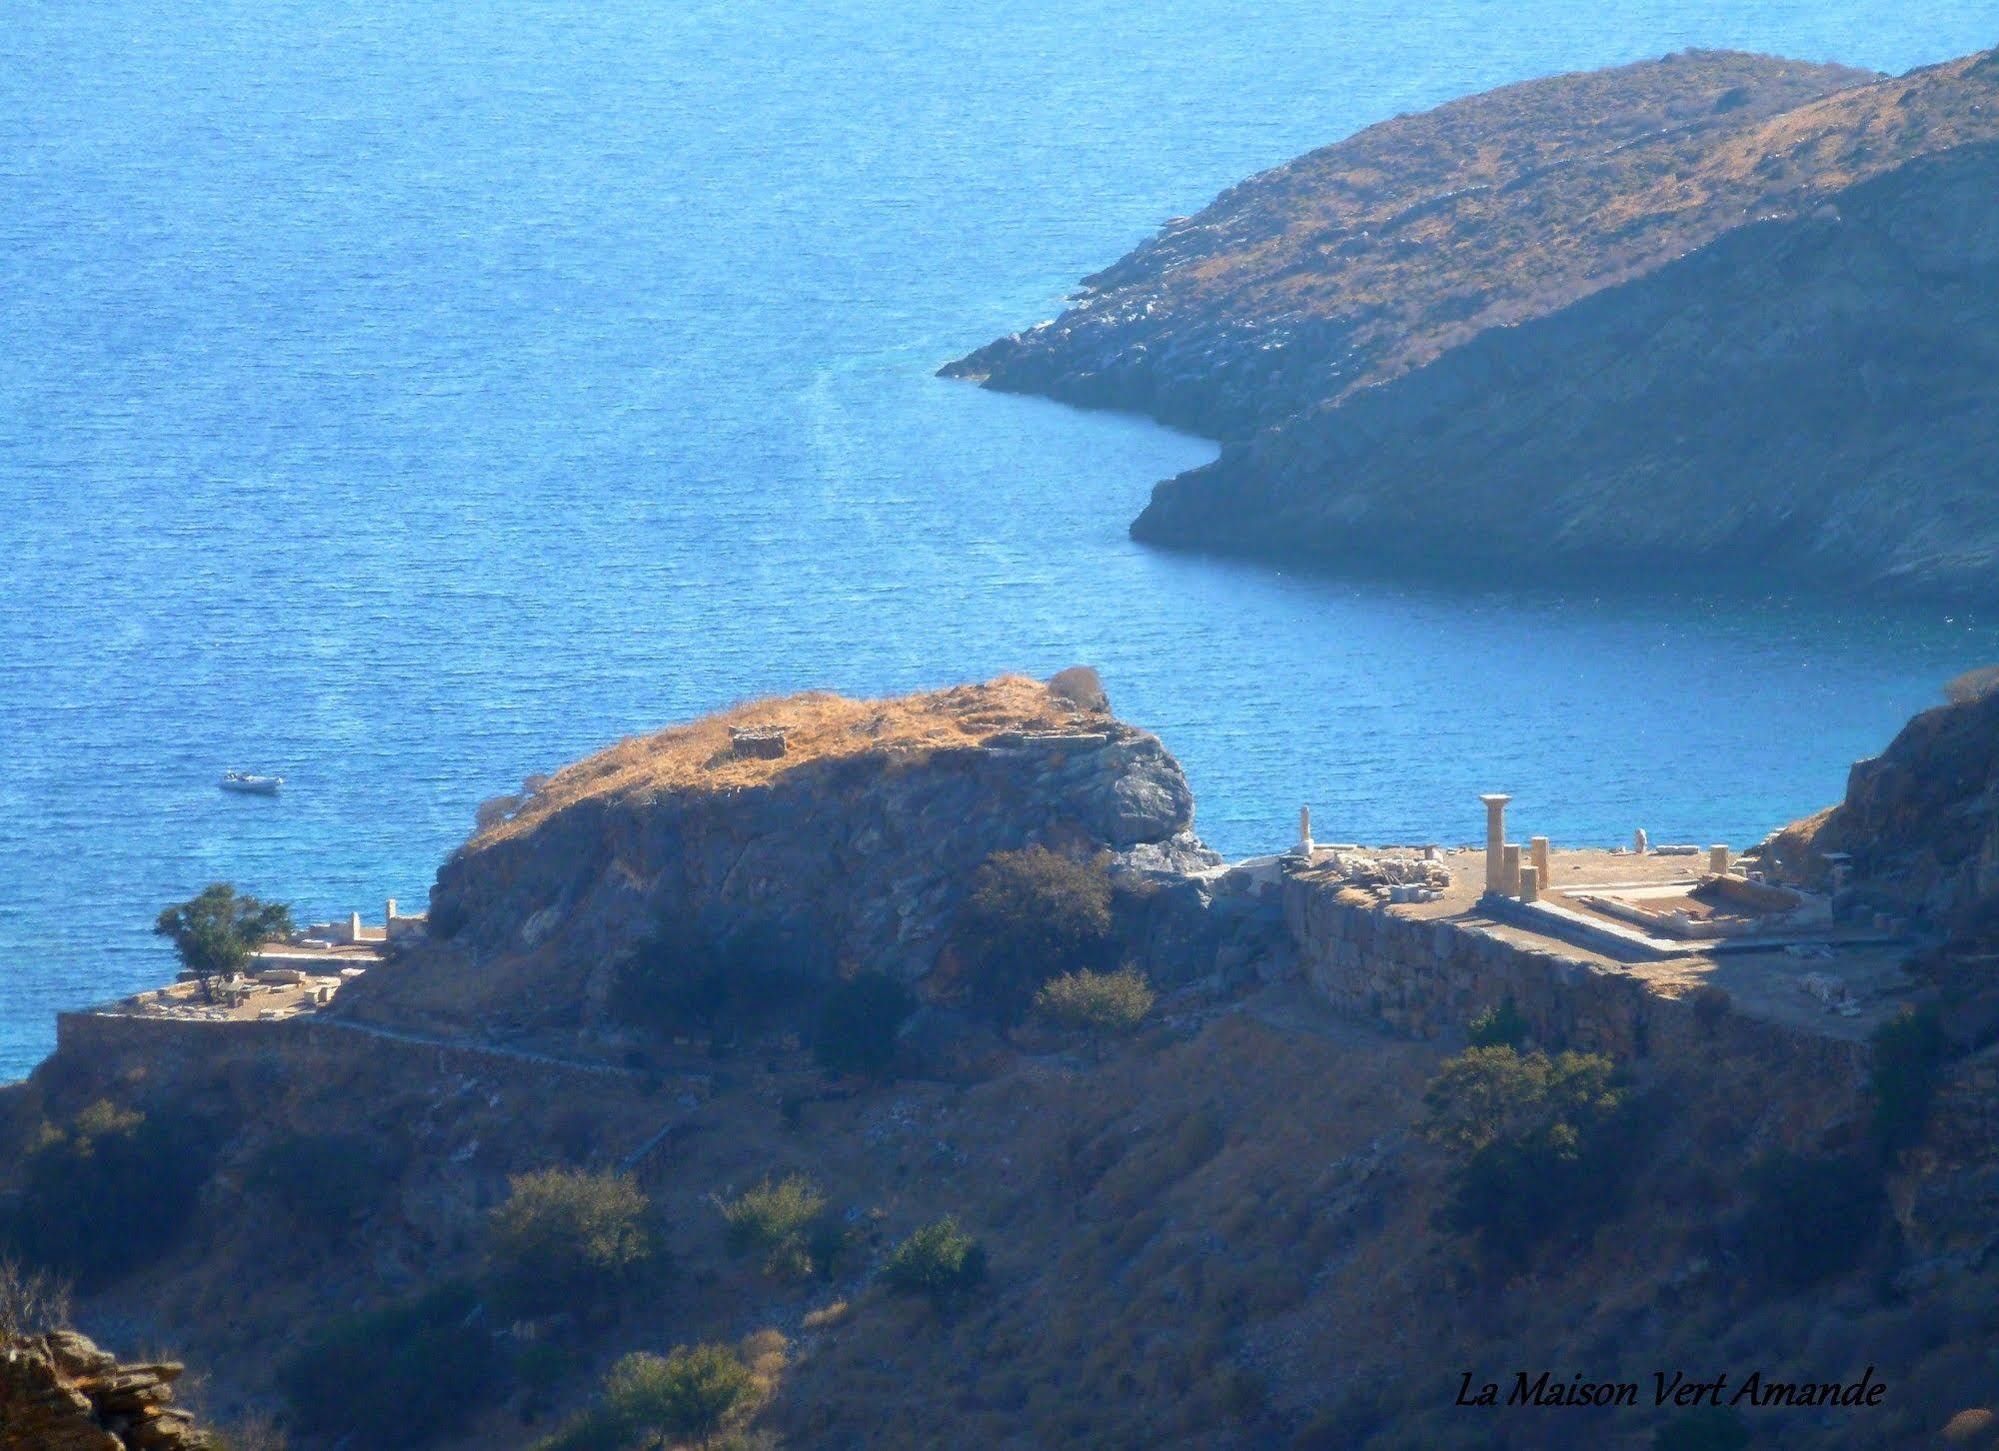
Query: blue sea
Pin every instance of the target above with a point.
(407, 397)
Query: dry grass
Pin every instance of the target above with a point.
(818, 726)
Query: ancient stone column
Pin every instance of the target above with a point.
(1304, 847)
(353, 926)
(1510, 868)
(1538, 848)
(1639, 843)
(1717, 860)
(1495, 840)
(1530, 883)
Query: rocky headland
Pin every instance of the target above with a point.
(1710, 314)
(1244, 1213)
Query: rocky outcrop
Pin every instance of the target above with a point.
(1708, 313)
(59, 1392)
(1917, 826)
(856, 853)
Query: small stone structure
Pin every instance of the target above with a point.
(762, 743)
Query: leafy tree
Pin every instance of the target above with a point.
(695, 1392)
(1908, 1052)
(1033, 915)
(939, 1260)
(1538, 1144)
(649, 1401)
(785, 1220)
(858, 1023)
(107, 1192)
(216, 930)
(394, 1377)
(567, 1239)
(1098, 1003)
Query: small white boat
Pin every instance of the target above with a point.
(250, 783)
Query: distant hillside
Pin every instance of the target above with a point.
(1695, 313)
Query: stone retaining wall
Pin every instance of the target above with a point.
(1428, 978)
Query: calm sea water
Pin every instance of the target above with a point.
(406, 397)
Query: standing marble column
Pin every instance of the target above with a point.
(1530, 883)
(1538, 848)
(1495, 840)
(1509, 884)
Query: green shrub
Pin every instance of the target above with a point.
(654, 1400)
(1540, 1146)
(324, 1180)
(1099, 1003)
(1908, 1054)
(394, 1377)
(1498, 1027)
(1032, 915)
(568, 1240)
(939, 1260)
(693, 1392)
(110, 1191)
(858, 1022)
(784, 1220)
(1809, 1218)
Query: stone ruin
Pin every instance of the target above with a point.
(761, 743)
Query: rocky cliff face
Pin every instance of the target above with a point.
(59, 1392)
(853, 849)
(1918, 820)
(1710, 311)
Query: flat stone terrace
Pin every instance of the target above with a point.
(1765, 984)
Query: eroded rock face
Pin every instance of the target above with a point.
(59, 1392)
(1918, 822)
(858, 861)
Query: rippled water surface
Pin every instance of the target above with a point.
(406, 397)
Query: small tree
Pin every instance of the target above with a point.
(858, 1023)
(216, 930)
(786, 1221)
(1098, 1003)
(1537, 1142)
(694, 1392)
(939, 1260)
(1033, 915)
(567, 1239)
(108, 1191)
